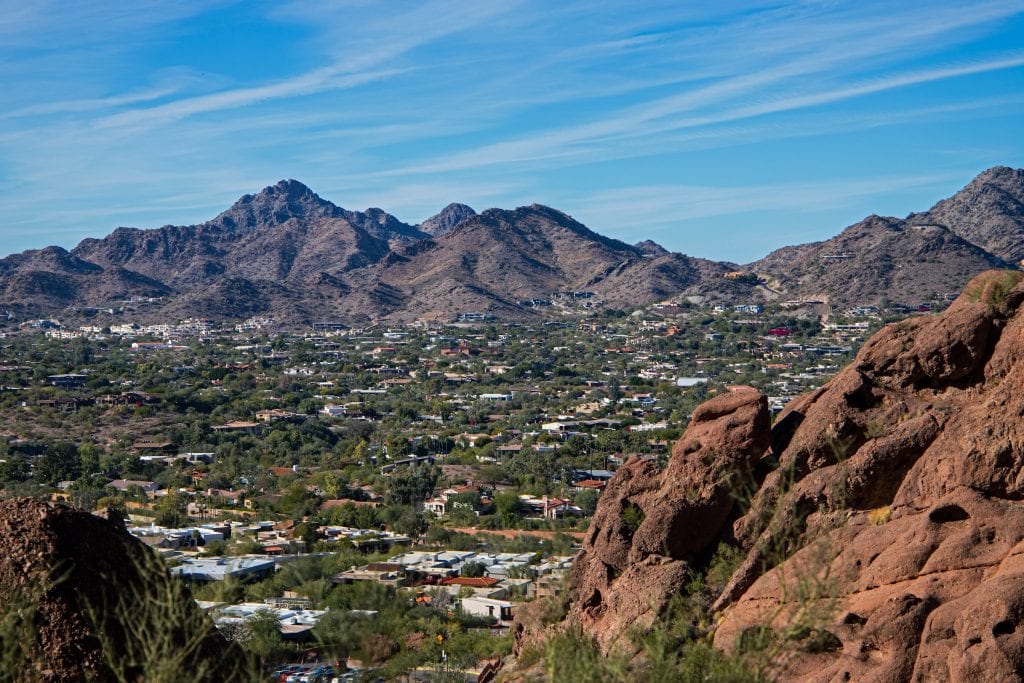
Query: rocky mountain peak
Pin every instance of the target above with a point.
(991, 186)
(876, 222)
(447, 219)
(382, 225)
(1000, 174)
(57, 259)
(291, 188)
(989, 212)
(651, 248)
(542, 220)
(290, 200)
(276, 204)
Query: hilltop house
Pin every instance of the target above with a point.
(67, 381)
(148, 487)
(443, 503)
(499, 610)
(239, 426)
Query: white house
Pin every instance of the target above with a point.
(496, 397)
(500, 610)
(333, 410)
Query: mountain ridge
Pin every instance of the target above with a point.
(300, 256)
(858, 263)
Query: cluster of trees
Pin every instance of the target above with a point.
(399, 637)
(211, 382)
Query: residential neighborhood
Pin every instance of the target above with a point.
(348, 493)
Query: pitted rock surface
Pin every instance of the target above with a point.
(889, 503)
(652, 523)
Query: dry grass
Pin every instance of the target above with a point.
(880, 516)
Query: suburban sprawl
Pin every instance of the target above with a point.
(381, 500)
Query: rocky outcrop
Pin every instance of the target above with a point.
(885, 540)
(935, 595)
(447, 219)
(650, 248)
(651, 523)
(83, 600)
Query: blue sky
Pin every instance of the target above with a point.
(722, 132)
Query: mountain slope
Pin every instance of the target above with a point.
(876, 259)
(988, 212)
(496, 259)
(52, 278)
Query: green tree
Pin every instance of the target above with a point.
(473, 569)
(89, 458)
(170, 510)
(298, 501)
(413, 485)
(304, 531)
(508, 508)
(587, 500)
(13, 466)
(264, 635)
(59, 463)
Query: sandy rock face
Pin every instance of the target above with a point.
(651, 523)
(888, 517)
(929, 596)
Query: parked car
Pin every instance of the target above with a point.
(283, 673)
(298, 676)
(321, 674)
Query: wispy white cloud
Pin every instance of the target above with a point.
(403, 33)
(495, 103)
(55, 24)
(695, 107)
(91, 104)
(634, 208)
(804, 101)
(318, 80)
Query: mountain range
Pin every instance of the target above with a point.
(289, 253)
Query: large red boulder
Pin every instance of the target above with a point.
(652, 523)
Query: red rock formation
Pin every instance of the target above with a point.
(651, 523)
(86, 601)
(933, 437)
(889, 523)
